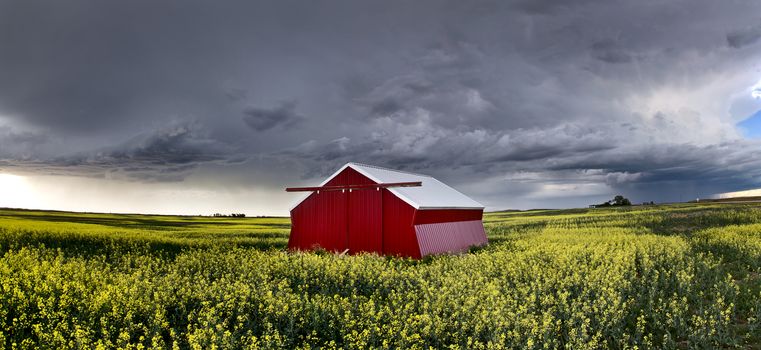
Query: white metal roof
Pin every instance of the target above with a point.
(433, 194)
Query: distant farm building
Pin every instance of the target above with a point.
(363, 208)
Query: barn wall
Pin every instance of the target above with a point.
(431, 216)
(336, 220)
(365, 218)
(398, 231)
(320, 220)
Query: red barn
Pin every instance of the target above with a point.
(363, 208)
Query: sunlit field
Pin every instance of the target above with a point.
(678, 276)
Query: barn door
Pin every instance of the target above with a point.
(365, 224)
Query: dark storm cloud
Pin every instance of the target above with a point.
(262, 119)
(529, 145)
(609, 51)
(417, 145)
(519, 101)
(168, 154)
(544, 7)
(11, 138)
(175, 145)
(16, 145)
(666, 162)
(744, 37)
(397, 94)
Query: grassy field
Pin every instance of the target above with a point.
(677, 276)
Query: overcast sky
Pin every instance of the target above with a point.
(194, 107)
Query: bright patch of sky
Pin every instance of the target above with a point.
(756, 93)
(751, 127)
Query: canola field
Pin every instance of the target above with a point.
(675, 277)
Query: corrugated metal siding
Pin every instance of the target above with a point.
(338, 220)
(297, 222)
(331, 221)
(365, 216)
(449, 237)
(320, 220)
(398, 232)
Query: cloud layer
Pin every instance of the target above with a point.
(519, 103)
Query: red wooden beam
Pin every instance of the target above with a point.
(354, 187)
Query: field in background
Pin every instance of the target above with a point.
(677, 276)
(85, 233)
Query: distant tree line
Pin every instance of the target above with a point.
(617, 201)
(233, 215)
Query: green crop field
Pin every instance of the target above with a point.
(678, 276)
